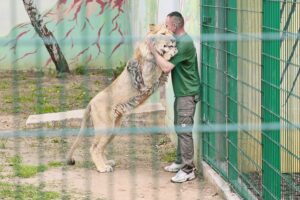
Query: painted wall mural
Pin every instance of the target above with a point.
(88, 31)
(95, 33)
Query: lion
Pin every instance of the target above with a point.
(140, 78)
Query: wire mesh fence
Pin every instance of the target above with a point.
(260, 164)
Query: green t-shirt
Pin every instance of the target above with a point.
(185, 75)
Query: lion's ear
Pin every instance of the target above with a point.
(152, 27)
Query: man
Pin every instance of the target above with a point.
(186, 86)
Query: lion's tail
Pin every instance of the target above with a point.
(85, 119)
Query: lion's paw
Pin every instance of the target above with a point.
(105, 169)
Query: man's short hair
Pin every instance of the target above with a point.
(177, 17)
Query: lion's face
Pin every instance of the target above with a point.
(164, 41)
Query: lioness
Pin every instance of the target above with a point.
(133, 86)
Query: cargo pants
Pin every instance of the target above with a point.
(184, 110)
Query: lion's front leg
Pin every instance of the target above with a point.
(98, 153)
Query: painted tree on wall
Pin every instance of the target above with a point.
(89, 32)
(49, 40)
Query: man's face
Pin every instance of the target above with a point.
(170, 25)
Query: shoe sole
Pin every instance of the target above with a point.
(188, 179)
(174, 171)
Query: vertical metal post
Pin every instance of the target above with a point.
(232, 90)
(271, 100)
(203, 69)
(220, 83)
(208, 76)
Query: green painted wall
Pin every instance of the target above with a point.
(98, 34)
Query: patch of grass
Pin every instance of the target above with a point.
(81, 94)
(169, 156)
(118, 70)
(19, 99)
(8, 99)
(16, 160)
(1, 168)
(97, 82)
(55, 164)
(3, 143)
(44, 93)
(25, 171)
(163, 141)
(46, 108)
(86, 165)
(54, 89)
(4, 85)
(11, 191)
(80, 70)
(59, 140)
(51, 73)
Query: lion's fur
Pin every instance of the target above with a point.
(101, 109)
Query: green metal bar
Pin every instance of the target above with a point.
(232, 92)
(211, 78)
(220, 82)
(271, 101)
(204, 57)
(207, 75)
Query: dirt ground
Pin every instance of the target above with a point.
(138, 173)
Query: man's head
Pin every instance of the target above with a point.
(175, 22)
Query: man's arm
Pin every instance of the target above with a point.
(165, 65)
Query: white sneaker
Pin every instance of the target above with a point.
(174, 167)
(181, 177)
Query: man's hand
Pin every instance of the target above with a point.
(161, 62)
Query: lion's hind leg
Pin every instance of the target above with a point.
(101, 121)
(99, 146)
(98, 153)
(117, 123)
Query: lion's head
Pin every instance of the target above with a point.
(164, 42)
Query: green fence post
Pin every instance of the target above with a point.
(207, 75)
(220, 83)
(271, 100)
(232, 90)
(203, 96)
